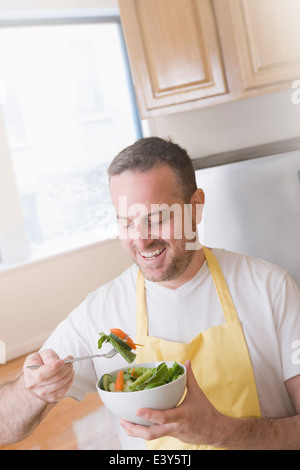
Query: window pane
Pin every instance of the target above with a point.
(68, 110)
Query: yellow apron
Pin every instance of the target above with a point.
(219, 358)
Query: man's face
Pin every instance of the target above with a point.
(153, 235)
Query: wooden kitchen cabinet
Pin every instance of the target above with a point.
(174, 52)
(267, 38)
(187, 54)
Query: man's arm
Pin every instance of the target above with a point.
(27, 400)
(20, 412)
(268, 433)
(196, 421)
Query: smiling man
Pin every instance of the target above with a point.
(233, 320)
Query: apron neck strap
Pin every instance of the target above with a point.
(224, 295)
(142, 315)
(223, 292)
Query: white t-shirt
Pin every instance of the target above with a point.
(267, 301)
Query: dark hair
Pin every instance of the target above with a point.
(150, 152)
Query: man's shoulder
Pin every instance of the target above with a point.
(240, 263)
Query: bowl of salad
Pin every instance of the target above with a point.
(156, 385)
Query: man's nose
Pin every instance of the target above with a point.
(142, 235)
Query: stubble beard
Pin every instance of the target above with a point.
(176, 266)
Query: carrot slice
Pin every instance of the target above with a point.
(124, 337)
(119, 384)
(118, 332)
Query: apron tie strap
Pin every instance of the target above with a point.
(222, 289)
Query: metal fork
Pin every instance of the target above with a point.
(108, 355)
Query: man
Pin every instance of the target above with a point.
(234, 321)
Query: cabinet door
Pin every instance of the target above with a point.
(174, 52)
(267, 36)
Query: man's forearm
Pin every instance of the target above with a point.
(262, 433)
(25, 402)
(20, 412)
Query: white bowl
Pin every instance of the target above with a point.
(124, 405)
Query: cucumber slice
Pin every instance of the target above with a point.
(120, 342)
(105, 381)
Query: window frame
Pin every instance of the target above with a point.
(14, 243)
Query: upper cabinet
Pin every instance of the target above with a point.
(267, 37)
(186, 54)
(174, 51)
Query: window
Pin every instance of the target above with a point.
(68, 108)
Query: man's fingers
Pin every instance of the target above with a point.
(58, 374)
(146, 432)
(159, 417)
(48, 373)
(56, 390)
(50, 381)
(46, 357)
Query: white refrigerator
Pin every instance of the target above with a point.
(253, 207)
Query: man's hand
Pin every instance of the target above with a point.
(195, 420)
(51, 381)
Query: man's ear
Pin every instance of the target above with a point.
(197, 201)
